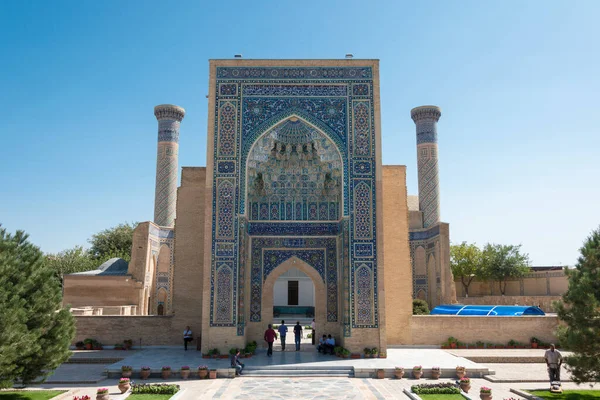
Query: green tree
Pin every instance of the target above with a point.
(113, 242)
(580, 310)
(420, 307)
(467, 263)
(503, 262)
(70, 261)
(35, 331)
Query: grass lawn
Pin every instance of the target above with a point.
(30, 394)
(567, 394)
(150, 396)
(441, 397)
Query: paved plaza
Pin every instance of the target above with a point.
(507, 375)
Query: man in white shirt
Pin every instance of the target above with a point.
(553, 361)
(187, 337)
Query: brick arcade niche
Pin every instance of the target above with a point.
(294, 174)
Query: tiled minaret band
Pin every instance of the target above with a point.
(169, 118)
(426, 118)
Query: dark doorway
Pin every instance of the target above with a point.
(292, 293)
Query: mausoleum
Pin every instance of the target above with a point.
(293, 214)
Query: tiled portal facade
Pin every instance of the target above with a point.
(293, 180)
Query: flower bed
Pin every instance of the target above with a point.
(154, 388)
(435, 388)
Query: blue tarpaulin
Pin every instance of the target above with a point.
(477, 310)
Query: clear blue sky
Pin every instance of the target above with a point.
(517, 81)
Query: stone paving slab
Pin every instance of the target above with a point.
(77, 373)
(407, 358)
(513, 373)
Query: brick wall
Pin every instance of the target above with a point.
(108, 330)
(434, 329)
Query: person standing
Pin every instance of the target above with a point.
(312, 325)
(187, 337)
(270, 336)
(297, 334)
(282, 332)
(553, 361)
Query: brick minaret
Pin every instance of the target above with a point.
(169, 118)
(426, 118)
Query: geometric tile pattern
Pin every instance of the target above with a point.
(318, 252)
(169, 119)
(425, 239)
(337, 102)
(425, 119)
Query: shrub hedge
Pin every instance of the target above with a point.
(154, 388)
(435, 388)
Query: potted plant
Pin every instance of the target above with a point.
(398, 372)
(452, 342)
(534, 342)
(485, 393)
(185, 372)
(207, 355)
(511, 344)
(232, 351)
(145, 372)
(126, 371)
(465, 384)
(84, 397)
(355, 355)
(212, 374)
(417, 371)
(124, 384)
(165, 372)
(214, 353)
(374, 352)
(128, 343)
(80, 345)
(367, 352)
(88, 343)
(119, 346)
(479, 344)
(102, 394)
(435, 372)
(380, 373)
(345, 353)
(337, 350)
(460, 371)
(202, 371)
(96, 345)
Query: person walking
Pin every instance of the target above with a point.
(312, 325)
(297, 334)
(553, 361)
(236, 363)
(270, 336)
(187, 337)
(282, 332)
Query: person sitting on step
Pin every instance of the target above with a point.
(329, 344)
(321, 346)
(236, 363)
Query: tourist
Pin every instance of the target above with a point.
(270, 336)
(329, 344)
(321, 347)
(282, 332)
(553, 361)
(312, 325)
(298, 335)
(236, 363)
(187, 337)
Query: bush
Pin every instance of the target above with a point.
(435, 388)
(420, 307)
(154, 388)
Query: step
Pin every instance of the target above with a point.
(249, 375)
(298, 368)
(346, 373)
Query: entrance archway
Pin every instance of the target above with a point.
(320, 295)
